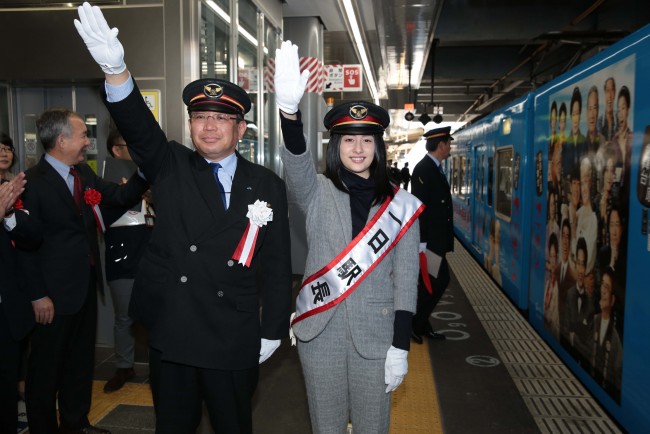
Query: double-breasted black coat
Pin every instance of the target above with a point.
(437, 221)
(201, 307)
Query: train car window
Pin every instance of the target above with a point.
(490, 180)
(504, 181)
(468, 175)
(454, 176)
(461, 176)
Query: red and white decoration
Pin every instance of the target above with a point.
(317, 76)
(259, 214)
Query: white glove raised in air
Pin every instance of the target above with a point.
(289, 83)
(268, 348)
(100, 39)
(396, 368)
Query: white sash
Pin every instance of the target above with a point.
(338, 279)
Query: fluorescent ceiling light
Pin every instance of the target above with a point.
(358, 40)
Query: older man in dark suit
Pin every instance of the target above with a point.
(429, 184)
(16, 316)
(221, 237)
(63, 274)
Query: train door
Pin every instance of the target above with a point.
(477, 197)
(29, 103)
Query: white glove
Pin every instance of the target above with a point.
(267, 349)
(396, 368)
(422, 248)
(101, 40)
(289, 83)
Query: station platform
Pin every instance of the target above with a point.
(493, 374)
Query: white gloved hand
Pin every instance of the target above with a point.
(422, 248)
(289, 83)
(396, 368)
(100, 39)
(268, 348)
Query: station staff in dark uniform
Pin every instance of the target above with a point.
(199, 304)
(429, 184)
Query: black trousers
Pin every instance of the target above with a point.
(9, 363)
(61, 364)
(427, 302)
(180, 390)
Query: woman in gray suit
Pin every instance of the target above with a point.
(353, 313)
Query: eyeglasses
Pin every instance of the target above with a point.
(219, 118)
(6, 149)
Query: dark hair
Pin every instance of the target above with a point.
(113, 137)
(378, 169)
(592, 89)
(552, 242)
(582, 245)
(576, 97)
(624, 93)
(565, 222)
(6, 140)
(554, 107)
(52, 123)
(613, 82)
(562, 110)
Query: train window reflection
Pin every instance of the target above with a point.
(490, 180)
(504, 181)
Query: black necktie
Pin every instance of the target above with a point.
(215, 171)
(77, 193)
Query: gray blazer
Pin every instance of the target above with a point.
(391, 286)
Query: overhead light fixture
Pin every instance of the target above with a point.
(358, 41)
(424, 119)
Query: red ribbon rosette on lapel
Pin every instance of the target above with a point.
(259, 214)
(93, 198)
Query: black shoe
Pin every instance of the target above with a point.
(122, 375)
(434, 335)
(416, 338)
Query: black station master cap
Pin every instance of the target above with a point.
(357, 117)
(211, 94)
(436, 136)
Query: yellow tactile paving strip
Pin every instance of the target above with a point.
(414, 404)
(103, 403)
(415, 407)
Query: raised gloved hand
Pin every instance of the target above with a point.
(289, 83)
(268, 348)
(100, 39)
(396, 368)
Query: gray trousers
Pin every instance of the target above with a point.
(122, 330)
(342, 385)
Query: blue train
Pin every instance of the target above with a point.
(551, 195)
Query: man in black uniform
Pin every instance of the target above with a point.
(430, 185)
(221, 236)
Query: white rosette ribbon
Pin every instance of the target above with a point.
(259, 214)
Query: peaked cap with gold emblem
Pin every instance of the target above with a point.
(212, 94)
(357, 117)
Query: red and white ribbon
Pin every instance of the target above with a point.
(259, 214)
(99, 220)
